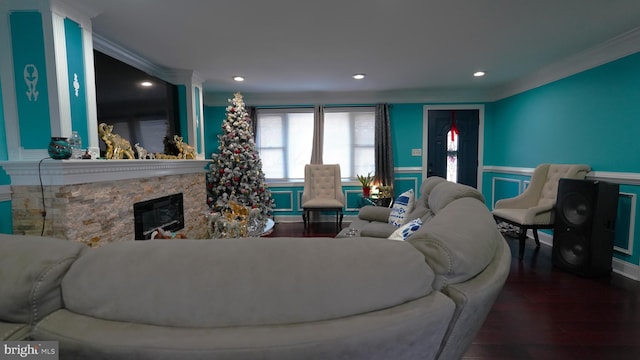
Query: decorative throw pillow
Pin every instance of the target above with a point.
(407, 229)
(401, 207)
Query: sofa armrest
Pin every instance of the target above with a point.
(374, 213)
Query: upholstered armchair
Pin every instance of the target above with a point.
(322, 191)
(533, 209)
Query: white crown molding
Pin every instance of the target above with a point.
(618, 47)
(129, 57)
(353, 97)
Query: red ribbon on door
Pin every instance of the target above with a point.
(454, 128)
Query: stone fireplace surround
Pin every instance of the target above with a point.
(92, 200)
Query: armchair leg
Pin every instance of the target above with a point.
(535, 236)
(305, 217)
(522, 238)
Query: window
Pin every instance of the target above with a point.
(349, 140)
(285, 137)
(452, 157)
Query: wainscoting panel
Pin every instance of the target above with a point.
(625, 223)
(283, 200)
(504, 188)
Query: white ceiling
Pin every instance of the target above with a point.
(304, 49)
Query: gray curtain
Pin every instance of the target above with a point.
(253, 115)
(383, 149)
(318, 134)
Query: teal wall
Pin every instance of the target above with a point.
(27, 42)
(4, 153)
(183, 112)
(592, 117)
(406, 132)
(213, 118)
(6, 225)
(75, 68)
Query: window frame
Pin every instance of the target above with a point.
(307, 110)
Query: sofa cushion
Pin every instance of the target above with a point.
(401, 207)
(403, 232)
(31, 269)
(446, 192)
(243, 282)
(13, 331)
(374, 213)
(459, 242)
(378, 230)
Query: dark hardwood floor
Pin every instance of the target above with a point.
(544, 312)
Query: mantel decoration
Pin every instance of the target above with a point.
(235, 175)
(59, 148)
(120, 148)
(366, 181)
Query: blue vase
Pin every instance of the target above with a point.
(59, 148)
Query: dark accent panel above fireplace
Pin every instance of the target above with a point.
(166, 212)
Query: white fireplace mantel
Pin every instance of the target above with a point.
(69, 172)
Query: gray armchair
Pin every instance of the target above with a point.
(533, 209)
(322, 191)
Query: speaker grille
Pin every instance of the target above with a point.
(574, 250)
(576, 208)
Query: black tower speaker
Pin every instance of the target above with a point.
(584, 227)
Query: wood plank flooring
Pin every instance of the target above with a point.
(546, 313)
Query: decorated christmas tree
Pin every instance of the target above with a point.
(235, 174)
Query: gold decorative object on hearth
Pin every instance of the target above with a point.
(117, 146)
(234, 222)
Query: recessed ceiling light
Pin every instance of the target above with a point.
(146, 83)
(479, 73)
(359, 76)
(238, 78)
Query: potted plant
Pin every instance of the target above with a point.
(366, 181)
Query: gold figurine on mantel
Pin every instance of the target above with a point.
(120, 148)
(117, 146)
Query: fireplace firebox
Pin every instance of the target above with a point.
(166, 212)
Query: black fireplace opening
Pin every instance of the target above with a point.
(166, 212)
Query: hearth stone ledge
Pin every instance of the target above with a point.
(69, 172)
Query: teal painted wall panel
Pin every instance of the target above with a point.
(77, 79)
(623, 226)
(213, 118)
(183, 113)
(32, 96)
(591, 117)
(4, 152)
(406, 132)
(6, 221)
